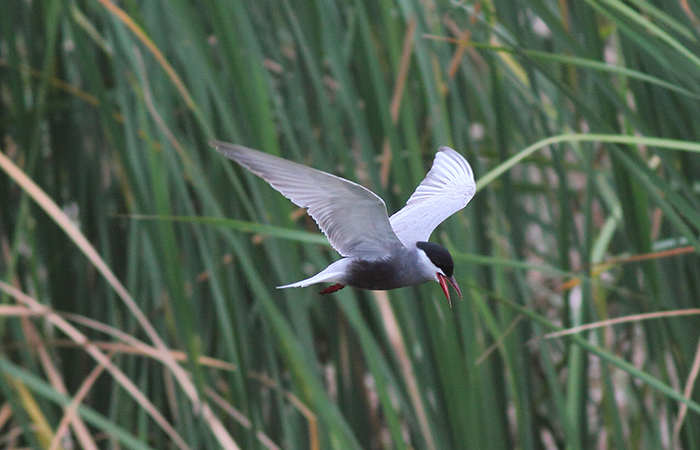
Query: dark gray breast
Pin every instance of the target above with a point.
(398, 271)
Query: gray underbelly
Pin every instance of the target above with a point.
(383, 275)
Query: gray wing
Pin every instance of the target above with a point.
(447, 188)
(353, 218)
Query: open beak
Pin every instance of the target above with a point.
(443, 284)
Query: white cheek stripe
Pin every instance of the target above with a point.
(427, 267)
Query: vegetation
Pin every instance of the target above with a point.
(139, 266)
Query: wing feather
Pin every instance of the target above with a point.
(353, 218)
(447, 188)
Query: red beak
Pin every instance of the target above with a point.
(443, 284)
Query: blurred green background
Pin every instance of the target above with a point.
(580, 119)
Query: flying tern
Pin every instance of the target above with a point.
(379, 252)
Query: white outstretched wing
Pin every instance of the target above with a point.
(352, 217)
(447, 188)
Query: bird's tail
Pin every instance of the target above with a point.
(335, 273)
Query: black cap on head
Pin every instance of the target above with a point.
(439, 256)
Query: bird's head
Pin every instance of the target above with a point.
(439, 263)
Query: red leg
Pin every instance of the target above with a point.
(332, 289)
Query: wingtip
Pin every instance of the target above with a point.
(215, 143)
(221, 147)
(227, 149)
(458, 156)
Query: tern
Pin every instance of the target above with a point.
(379, 252)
